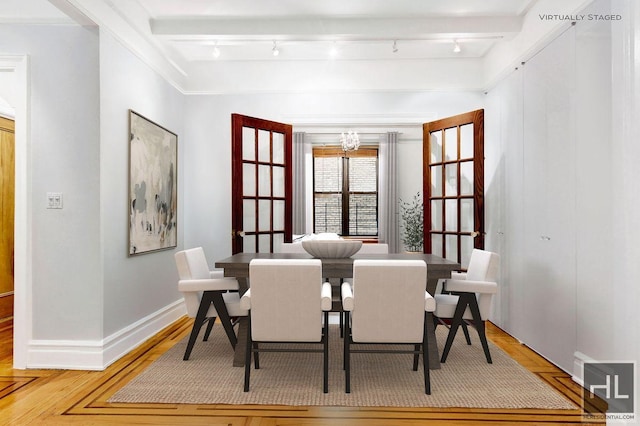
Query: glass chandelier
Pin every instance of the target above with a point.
(350, 141)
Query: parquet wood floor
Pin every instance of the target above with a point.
(65, 397)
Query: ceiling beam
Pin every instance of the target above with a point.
(334, 28)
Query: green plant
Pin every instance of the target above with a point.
(412, 215)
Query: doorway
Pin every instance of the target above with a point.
(7, 201)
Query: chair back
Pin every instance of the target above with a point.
(374, 249)
(484, 266)
(286, 300)
(388, 301)
(192, 264)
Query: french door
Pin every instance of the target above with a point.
(261, 184)
(453, 186)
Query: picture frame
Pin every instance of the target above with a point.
(153, 186)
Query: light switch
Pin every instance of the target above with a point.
(54, 200)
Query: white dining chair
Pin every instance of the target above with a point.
(387, 303)
(469, 298)
(207, 296)
(287, 303)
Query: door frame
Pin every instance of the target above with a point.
(23, 284)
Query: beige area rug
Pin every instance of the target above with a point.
(465, 380)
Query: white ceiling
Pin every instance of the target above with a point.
(177, 38)
(305, 29)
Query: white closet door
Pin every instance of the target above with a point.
(549, 293)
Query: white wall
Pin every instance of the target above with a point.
(550, 122)
(137, 286)
(208, 144)
(64, 148)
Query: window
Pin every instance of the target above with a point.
(345, 192)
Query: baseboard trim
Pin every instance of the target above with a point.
(98, 355)
(578, 367)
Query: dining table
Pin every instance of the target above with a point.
(237, 266)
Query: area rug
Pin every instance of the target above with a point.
(465, 380)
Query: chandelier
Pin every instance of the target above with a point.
(350, 141)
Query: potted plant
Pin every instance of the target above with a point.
(412, 214)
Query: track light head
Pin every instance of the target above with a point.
(275, 51)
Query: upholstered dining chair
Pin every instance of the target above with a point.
(287, 303)
(207, 295)
(468, 298)
(387, 303)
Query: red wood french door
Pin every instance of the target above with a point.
(453, 184)
(261, 184)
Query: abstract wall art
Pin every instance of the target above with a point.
(153, 197)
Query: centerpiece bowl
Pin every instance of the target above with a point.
(331, 249)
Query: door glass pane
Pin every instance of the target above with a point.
(278, 148)
(278, 215)
(436, 181)
(278, 239)
(248, 215)
(436, 215)
(249, 180)
(451, 183)
(466, 141)
(264, 215)
(466, 215)
(264, 243)
(466, 247)
(328, 213)
(249, 244)
(264, 146)
(264, 181)
(248, 143)
(436, 244)
(466, 178)
(436, 147)
(451, 144)
(278, 181)
(451, 215)
(451, 247)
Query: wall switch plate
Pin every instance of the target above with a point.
(54, 200)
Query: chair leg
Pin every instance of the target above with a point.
(465, 330)
(347, 355)
(325, 339)
(479, 325)
(456, 321)
(210, 323)
(247, 358)
(221, 308)
(198, 322)
(416, 357)
(425, 362)
(341, 326)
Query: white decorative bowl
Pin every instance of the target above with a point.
(331, 249)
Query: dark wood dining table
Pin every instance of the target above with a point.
(238, 266)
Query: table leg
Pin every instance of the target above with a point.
(434, 357)
(243, 329)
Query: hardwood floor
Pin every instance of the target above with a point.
(65, 397)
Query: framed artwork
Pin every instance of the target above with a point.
(153, 186)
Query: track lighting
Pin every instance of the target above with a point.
(216, 52)
(456, 46)
(333, 52)
(275, 51)
(395, 46)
